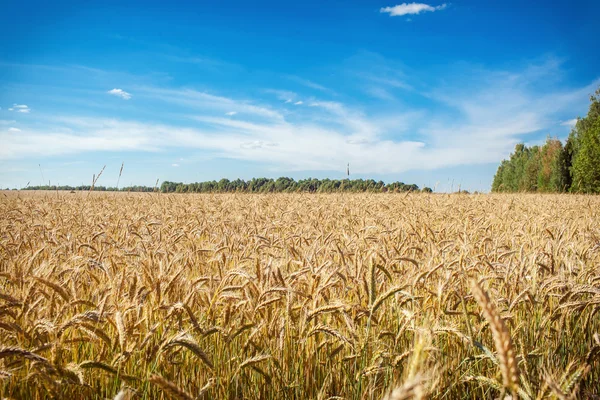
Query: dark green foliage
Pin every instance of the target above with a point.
(585, 170)
(554, 168)
(520, 172)
(531, 169)
(135, 188)
(289, 185)
(257, 185)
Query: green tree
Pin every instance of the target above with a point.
(498, 184)
(548, 179)
(585, 169)
(531, 167)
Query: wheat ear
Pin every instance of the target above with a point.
(502, 339)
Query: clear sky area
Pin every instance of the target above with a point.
(435, 94)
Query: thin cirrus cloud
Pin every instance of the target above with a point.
(569, 122)
(410, 9)
(284, 95)
(470, 127)
(310, 84)
(12, 129)
(120, 93)
(208, 102)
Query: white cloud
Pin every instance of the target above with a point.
(20, 108)
(353, 138)
(310, 84)
(195, 100)
(391, 82)
(120, 93)
(474, 124)
(379, 93)
(175, 165)
(11, 129)
(284, 95)
(257, 144)
(498, 108)
(231, 113)
(299, 102)
(358, 141)
(570, 122)
(410, 8)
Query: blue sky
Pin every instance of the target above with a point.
(429, 93)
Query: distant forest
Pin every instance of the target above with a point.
(554, 167)
(258, 185)
(265, 185)
(86, 188)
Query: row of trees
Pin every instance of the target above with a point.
(265, 185)
(255, 185)
(554, 167)
(135, 188)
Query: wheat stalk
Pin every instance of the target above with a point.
(502, 338)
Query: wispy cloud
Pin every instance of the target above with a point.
(231, 113)
(569, 122)
(284, 146)
(378, 92)
(196, 100)
(284, 95)
(120, 93)
(391, 82)
(175, 165)
(12, 129)
(20, 108)
(474, 124)
(410, 8)
(298, 103)
(257, 144)
(499, 108)
(379, 77)
(310, 84)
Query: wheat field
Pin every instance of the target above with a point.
(299, 296)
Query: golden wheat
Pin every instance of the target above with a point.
(298, 296)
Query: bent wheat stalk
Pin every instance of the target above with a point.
(502, 339)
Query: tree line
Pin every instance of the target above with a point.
(553, 167)
(289, 185)
(134, 188)
(255, 185)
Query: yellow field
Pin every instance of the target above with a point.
(292, 296)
